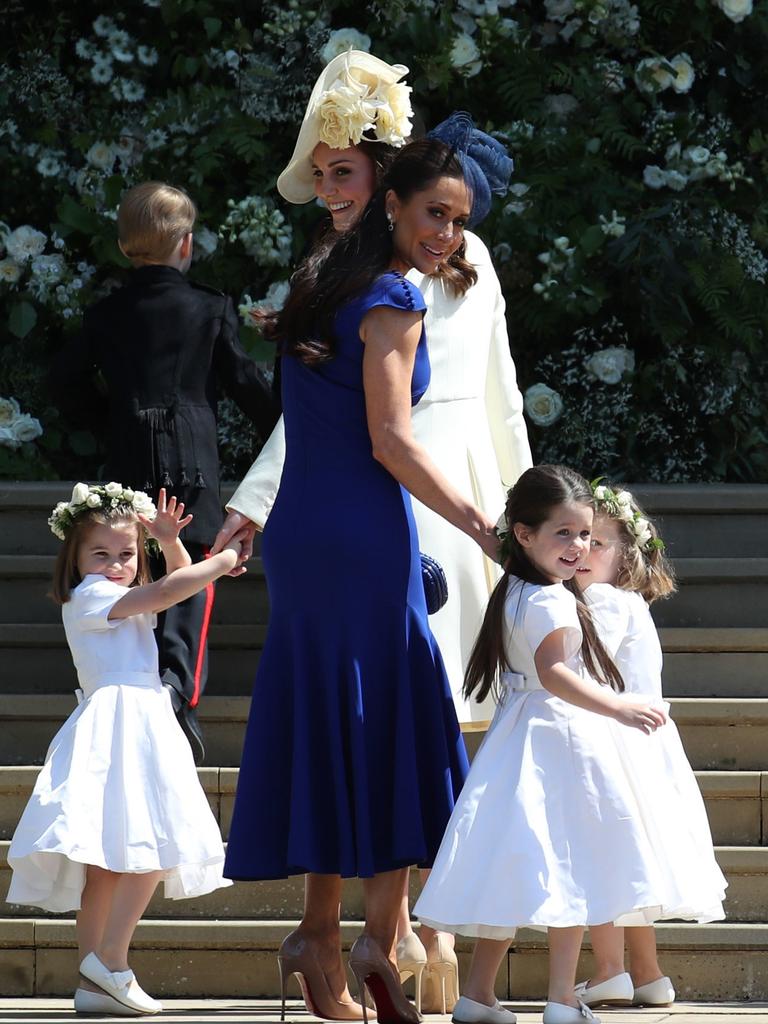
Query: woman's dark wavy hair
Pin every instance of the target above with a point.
(531, 501)
(342, 266)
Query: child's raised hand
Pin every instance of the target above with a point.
(640, 716)
(169, 521)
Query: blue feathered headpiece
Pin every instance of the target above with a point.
(487, 165)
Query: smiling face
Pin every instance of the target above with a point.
(561, 543)
(429, 225)
(111, 551)
(345, 179)
(605, 556)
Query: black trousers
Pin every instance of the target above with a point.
(182, 636)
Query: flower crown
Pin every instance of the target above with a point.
(111, 497)
(358, 102)
(620, 505)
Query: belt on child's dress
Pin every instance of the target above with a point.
(146, 680)
(516, 682)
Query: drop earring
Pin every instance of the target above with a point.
(390, 222)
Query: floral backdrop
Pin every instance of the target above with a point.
(632, 246)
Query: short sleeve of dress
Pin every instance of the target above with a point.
(393, 290)
(611, 610)
(547, 609)
(92, 602)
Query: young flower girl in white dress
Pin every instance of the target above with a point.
(117, 806)
(552, 807)
(624, 573)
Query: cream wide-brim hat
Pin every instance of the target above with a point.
(296, 182)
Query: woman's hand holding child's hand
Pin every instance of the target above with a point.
(169, 521)
(640, 716)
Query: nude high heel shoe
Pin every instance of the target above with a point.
(441, 979)
(411, 960)
(373, 970)
(297, 956)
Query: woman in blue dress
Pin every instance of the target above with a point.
(353, 755)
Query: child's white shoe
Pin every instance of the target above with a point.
(121, 985)
(99, 1004)
(616, 991)
(559, 1013)
(469, 1011)
(656, 993)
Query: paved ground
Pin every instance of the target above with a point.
(242, 1011)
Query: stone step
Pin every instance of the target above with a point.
(713, 520)
(717, 662)
(238, 959)
(745, 867)
(734, 801)
(719, 734)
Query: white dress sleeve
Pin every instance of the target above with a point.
(548, 609)
(92, 602)
(256, 494)
(611, 612)
(504, 403)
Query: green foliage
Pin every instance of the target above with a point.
(639, 210)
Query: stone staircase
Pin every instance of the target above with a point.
(715, 638)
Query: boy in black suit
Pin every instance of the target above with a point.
(162, 345)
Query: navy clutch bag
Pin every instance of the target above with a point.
(435, 584)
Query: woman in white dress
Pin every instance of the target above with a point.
(117, 806)
(470, 420)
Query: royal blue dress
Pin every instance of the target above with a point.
(353, 755)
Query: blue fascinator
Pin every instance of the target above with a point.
(487, 165)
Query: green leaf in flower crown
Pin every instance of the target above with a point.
(22, 319)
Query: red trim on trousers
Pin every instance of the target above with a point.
(202, 639)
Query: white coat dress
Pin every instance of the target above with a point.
(470, 421)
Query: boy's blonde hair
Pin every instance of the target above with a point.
(152, 219)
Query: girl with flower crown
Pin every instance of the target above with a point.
(470, 420)
(624, 573)
(117, 806)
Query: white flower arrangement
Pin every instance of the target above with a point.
(112, 497)
(261, 229)
(621, 505)
(17, 427)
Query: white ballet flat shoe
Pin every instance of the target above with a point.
(468, 1011)
(616, 991)
(656, 993)
(99, 1004)
(559, 1013)
(121, 985)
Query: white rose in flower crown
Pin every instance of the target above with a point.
(609, 365)
(601, 492)
(80, 494)
(344, 39)
(624, 498)
(93, 501)
(543, 404)
(736, 10)
(9, 411)
(113, 489)
(143, 503)
(127, 494)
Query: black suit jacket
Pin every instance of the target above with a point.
(162, 345)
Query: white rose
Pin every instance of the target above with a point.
(464, 51)
(113, 490)
(93, 501)
(652, 76)
(101, 155)
(127, 494)
(601, 492)
(343, 115)
(684, 73)
(24, 243)
(697, 154)
(624, 498)
(10, 271)
(676, 180)
(654, 177)
(344, 39)
(26, 428)
(736, 10)
(143, 503)
(543, 405)
(9, 411)
(608, 365)
(8, 438)
(80, 494)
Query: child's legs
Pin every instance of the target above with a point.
(486, 961)
(564, 949)
(643, 962)
(131, 895)
(94, 909)
(608, 948)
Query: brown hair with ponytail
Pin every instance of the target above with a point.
(532, 501)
